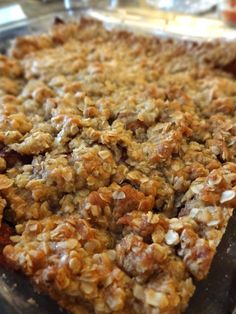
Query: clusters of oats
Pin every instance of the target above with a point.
(117, 165)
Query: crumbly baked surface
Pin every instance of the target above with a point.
(117, 165)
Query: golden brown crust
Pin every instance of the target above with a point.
(117, 165)
(72, 261)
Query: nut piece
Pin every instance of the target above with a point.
(155, 298)
(115, 300)
(172, 237)
(104, 154)
(69, 244)
(118, 195)
(138, 292)
(226, 196)
(197, 188)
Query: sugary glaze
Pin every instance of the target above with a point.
(117, 165)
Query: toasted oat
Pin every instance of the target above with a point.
(5, 182)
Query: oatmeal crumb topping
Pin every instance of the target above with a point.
(117, 165)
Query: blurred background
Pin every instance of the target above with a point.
(196, 18)
(16, 9)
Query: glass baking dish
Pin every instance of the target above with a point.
(216, 294)
(138, 19)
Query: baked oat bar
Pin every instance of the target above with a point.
(117, 165)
